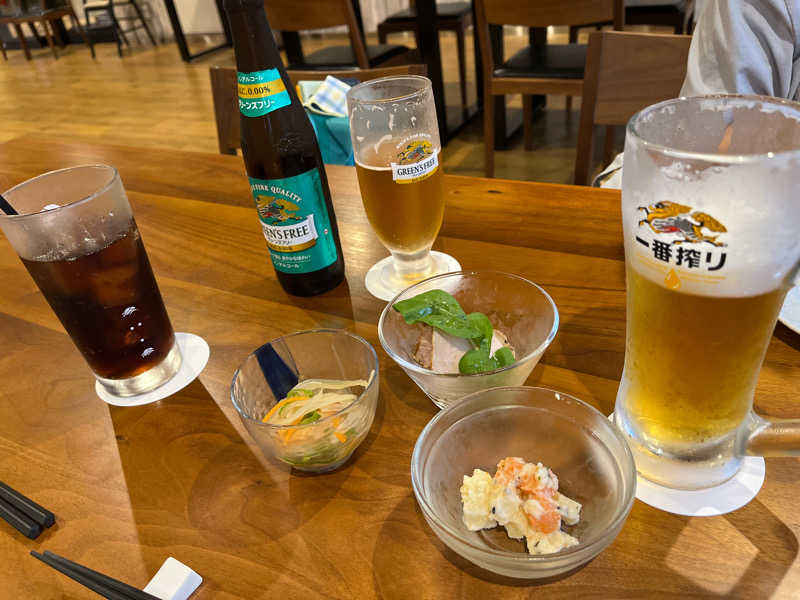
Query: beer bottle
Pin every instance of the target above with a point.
(283, 161)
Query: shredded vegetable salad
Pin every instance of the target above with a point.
(310, 401)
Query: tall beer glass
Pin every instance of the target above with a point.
(76, 235)
(711, 219)
(397, 151)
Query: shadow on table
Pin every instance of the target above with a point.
(332, 309)
(787, 336)
(196, 486)
(777, 550)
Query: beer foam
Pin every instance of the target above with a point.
(755, 202)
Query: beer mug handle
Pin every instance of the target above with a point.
(769, 437)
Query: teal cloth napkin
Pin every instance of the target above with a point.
(326, 105)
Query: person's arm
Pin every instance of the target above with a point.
(744, 47)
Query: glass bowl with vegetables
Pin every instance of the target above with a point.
(466, 331)
(308, 398)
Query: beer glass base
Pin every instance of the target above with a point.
(693, 467)
(382, 281)
(719, 499)
(147, 381)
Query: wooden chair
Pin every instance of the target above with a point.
(300, 15)
(549, 69)
(668, 13)
(665, 13)
(452, 16)
(92, 7)
(224, 93)
(625, 72)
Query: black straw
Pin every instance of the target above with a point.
(128, 590)
(25, 505)
(6, 207)
(19, 521)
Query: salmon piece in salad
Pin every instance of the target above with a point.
(523, 497)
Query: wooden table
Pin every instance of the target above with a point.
(131, 486)
(48, 19)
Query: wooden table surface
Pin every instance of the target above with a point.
(131, 486)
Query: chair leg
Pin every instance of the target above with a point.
(49, 39)
(527, 120)
(22, 41)
(381, 34)
(462, 68)
(573, 38)
(141, 18)
(488, 131)
(77, 25)
(118, 27)
(3, 49)
(56, 35)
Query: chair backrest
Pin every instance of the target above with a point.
(625, 72)
(299, 15)
(540, 13)
(543, 13)
(225, 95)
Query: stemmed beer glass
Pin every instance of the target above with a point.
(397, 152)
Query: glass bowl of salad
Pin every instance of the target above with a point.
(308, 398)
(461, 332)
(578, 447)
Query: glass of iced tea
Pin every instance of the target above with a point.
(76, 235)
(397, 152)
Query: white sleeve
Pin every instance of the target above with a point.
(745, 47)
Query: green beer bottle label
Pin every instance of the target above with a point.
(295, 222)
(261, 92)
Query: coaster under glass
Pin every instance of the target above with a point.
(193, 352)
(383, 282)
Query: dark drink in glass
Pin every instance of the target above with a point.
(109, 302)
(77, 237)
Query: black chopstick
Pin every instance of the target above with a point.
(97, 582)
(6, 207)
(84, 580)
(19, 520)
(27, 506)
(128, 590)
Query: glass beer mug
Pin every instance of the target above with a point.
(711, 220)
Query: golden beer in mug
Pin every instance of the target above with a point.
(701, 352)
(710, 220)
(397, 150)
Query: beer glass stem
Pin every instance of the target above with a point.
(769, 437)
(413, 267)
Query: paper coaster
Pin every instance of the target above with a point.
(443, 263)
(194, 356)
(708, 502)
